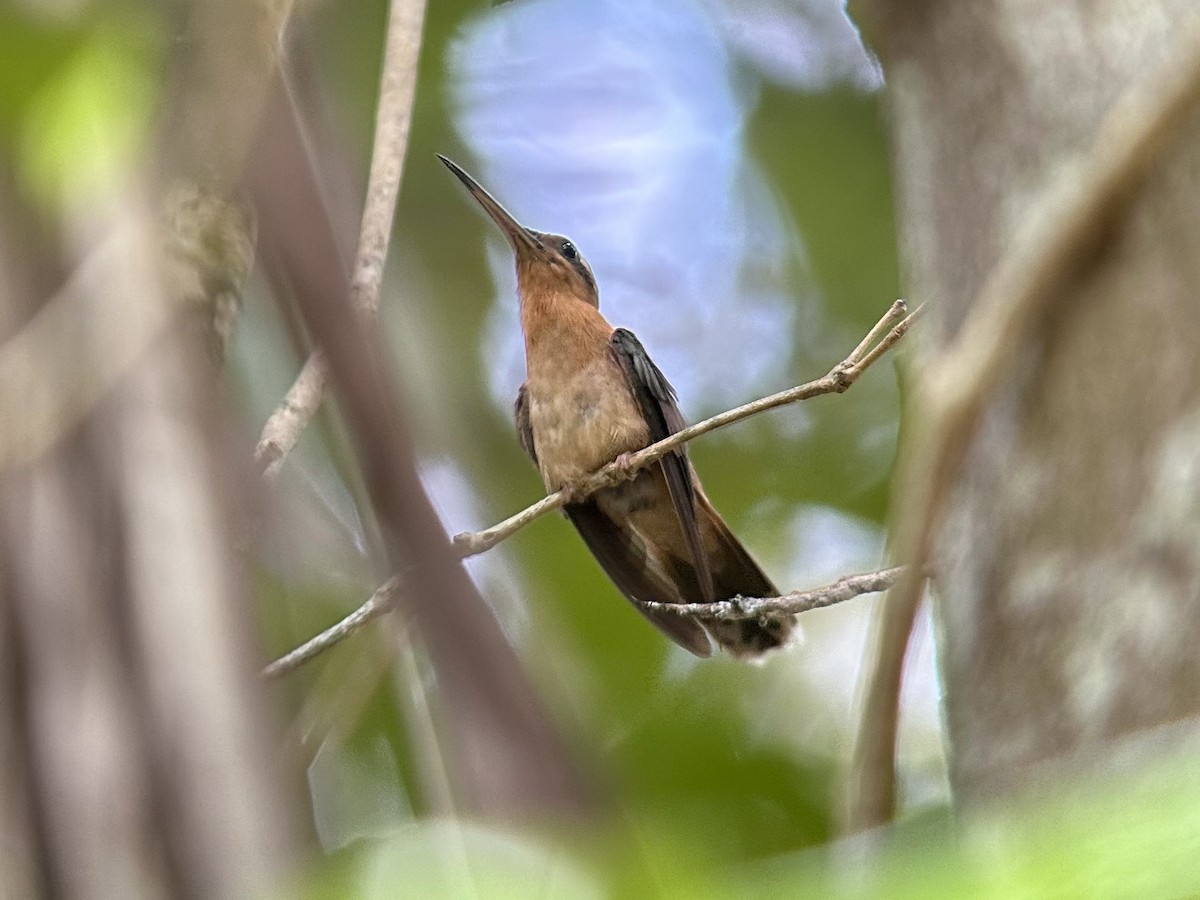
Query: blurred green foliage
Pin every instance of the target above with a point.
(1136, 835)
(77, 98)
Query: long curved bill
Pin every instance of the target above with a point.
(518, 236)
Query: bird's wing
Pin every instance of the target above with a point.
(524, 426)
(622, 556)
(656, 399)
(619, 553)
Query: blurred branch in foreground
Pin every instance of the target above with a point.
(879, 340)
(127, 649)
(137, 746)
(504, 751)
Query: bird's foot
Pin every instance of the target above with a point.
(574, 492)
(578, 491)
(623, 465)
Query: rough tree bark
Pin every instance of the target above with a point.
(1068, 566)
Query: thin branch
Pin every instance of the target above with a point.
(1055, 241)
(840, 377)
(870, 786)
(282, 430)
(393, 118)
(866, 360)
(508, 759)
(845, 588)
(894, 314)
(380, 602)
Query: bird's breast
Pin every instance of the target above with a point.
(582, 417)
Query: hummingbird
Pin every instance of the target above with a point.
(592, 395)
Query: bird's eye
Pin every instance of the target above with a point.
(568, 250)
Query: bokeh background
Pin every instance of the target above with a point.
(723, 167)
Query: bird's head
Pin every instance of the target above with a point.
(545, 262)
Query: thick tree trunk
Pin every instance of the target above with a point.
(1068, 561)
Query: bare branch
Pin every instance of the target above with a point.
(508, 758)
(845, 588)
(393, 118)
(894, 314)
(839, 378)
(870, 787)
(282, 430)
(866, 360)
(383, 600)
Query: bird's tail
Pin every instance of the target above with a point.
(750, 638)
(736, 574)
